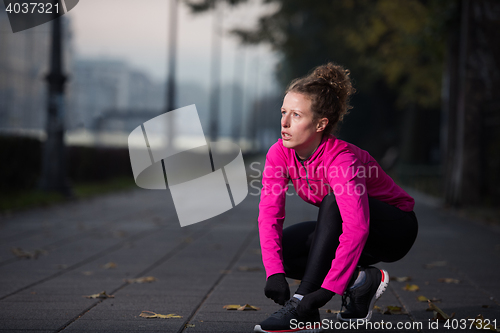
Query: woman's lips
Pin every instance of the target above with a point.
(285, 136)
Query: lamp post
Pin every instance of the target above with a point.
(54, 171)
(172, 56)
(215, 73)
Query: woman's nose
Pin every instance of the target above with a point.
(284, 121)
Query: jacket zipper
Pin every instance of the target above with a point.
(307, 180)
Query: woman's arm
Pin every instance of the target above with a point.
(349, 186)
(272, 210)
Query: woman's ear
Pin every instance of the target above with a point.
(321, 124)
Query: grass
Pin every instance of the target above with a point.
(20, 200)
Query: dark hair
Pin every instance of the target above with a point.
(329, 88)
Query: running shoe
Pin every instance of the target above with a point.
(363, 297)
(287, 320)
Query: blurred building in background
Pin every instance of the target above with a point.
(100, 87)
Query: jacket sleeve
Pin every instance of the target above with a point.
(349, 186)
(272, 210)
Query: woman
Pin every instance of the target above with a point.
(364, 217)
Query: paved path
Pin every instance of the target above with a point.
(201, 268)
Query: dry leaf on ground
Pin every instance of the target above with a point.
(20, 253)
(109, 265)
(401, 278)
(393, 310)
(422, 298)
(189, 325)
(438, 313)
(332, 311)
(484, 324)
(257, 251)
(246, 307)
(411, 287)
(150, 314)
(435, 264)
(449, 280)
(248, 269)
(100, 295)
(144, 279)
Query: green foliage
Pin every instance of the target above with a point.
(401, 43)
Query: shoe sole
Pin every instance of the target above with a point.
(258, 329)
(384, 282)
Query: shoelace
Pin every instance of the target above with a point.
(285, 309)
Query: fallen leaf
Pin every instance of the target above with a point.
(151, 314)
(295, 283)
(109, 265)
(248, 269)
(144, 279)
(435, 264)
(425, 299)
(246, 307)
(100, 295)
(393, 310)
(332, 311)
(20, 253)
(120, 234)
(449, 280)
(377, 309)
(190, 325)
(401, 279)
(438, 313)
(481, 324)
(257, 251)
(411, 287)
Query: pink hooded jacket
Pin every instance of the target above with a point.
(336, 166)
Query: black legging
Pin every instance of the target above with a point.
(309, 247)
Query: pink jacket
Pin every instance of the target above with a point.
(336, 166)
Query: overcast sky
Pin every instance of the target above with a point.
(137, 32)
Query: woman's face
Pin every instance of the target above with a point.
(298, 130)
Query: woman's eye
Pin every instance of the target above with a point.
(296, 114)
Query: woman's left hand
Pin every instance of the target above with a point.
(314, 300)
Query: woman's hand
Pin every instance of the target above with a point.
(277, 288)
(314, 300)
